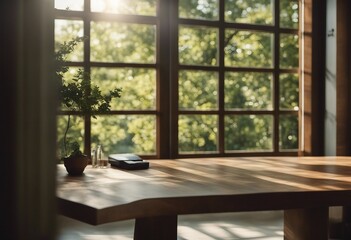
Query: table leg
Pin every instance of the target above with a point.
(306, 224)
(156, 228)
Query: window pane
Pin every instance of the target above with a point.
(198, 90)
(132, 7)
(289, 13)
(288, 132)
(245, 90)
(125, 134)
(248, 49)
(248, 132)
(289, 51)
(197, 133)
(194, 9)
(198, 46)
(115, 42)
(74, 5)
(249, 11)
(75, 133)
(138, 86)
(72, 72)
(67, 30)
(289, 91)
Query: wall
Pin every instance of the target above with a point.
(337, 90)
(330, 83)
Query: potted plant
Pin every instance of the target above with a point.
(78, 95)
(76, 162)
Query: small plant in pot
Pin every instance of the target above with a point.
(80, 97)
(76, 162)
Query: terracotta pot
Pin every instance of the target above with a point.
(75, 165)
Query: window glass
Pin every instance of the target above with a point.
(130, 7)
(116, 42)
(75, 133)
(138, 86)
(70, 5)
(249, 11)
(289, 91)
(68, 77)
(198, 90)
(67, 30)
(248, 49)
(198, 46)
(289, 51)
(289, 13)
(197, 133)
(248, 133)
(288, 132)
(125, 133)
(194, 9)
(248, 90)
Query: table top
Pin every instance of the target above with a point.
(204, 185)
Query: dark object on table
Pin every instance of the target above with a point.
(127, 161)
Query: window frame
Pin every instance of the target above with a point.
(167, 67)
(276, 112)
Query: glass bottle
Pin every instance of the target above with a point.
(101, 157)
(94, 163)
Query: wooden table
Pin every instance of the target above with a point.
(304, 187)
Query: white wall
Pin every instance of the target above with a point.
(330, 83)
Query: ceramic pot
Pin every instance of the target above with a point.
(76, 164)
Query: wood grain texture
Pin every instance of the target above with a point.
(313, 74)
(343, 77)
(306, 224)
(205, 185)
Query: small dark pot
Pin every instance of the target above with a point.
(75, 165)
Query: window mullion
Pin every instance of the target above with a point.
(163, 79)
(174, 68)
(276, 77)
(221, 131)
(87, 119)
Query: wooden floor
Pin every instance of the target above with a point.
(225, 226)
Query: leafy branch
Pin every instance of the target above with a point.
(79, 94)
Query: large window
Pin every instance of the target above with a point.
(204, 78)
